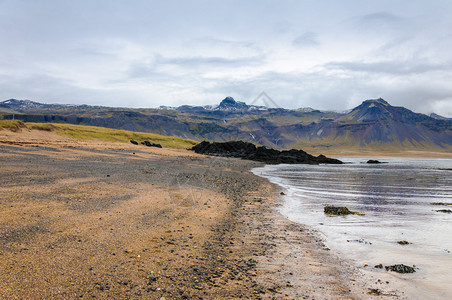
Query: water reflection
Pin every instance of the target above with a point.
(396, 199)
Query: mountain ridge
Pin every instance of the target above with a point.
(373, 123)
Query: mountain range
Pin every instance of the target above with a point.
(374, 124)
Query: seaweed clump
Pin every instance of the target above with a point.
(337, 210)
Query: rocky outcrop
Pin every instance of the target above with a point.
(249, 151)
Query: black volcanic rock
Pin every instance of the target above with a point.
(373, 161)
(149, 144)
(249, 151)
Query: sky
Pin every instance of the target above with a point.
(324, 54)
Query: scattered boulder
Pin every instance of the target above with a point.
(447, 211)
(373, 161)
(403, 243)
(149, 144)
(134, 142)
(249, 151)
(400, 268)
(379, 266)
(441, 203)
(337, 210)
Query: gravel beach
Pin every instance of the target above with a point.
(117, 221)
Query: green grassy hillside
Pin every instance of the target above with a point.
(99, 133)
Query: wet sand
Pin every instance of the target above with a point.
(117, 221)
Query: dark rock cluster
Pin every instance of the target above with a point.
(373, 161)
(146, 143)
(249, 151)
(401, 268)
(149, 144)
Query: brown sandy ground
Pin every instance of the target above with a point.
(114, 221)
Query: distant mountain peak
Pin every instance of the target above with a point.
(228, 99)
(20, 104)
(376, 101)
(17, 102)
(438, 117)
(372, 109)
(229, 103)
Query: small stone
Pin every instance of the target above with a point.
(374, 292)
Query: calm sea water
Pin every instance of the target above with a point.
(395, 198)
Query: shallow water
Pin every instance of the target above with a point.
(395, 198)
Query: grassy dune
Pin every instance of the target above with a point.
(98, 133)
(12, 125)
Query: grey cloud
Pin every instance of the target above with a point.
(91, 52)
(379, 18)
(390, 67)
(36, 87)
(420, 97)
(104, 50)
(196, 64)
(211, 61)
(290, 90)
(211, 41)
(377, 24)
(307, 39)
(324, 91)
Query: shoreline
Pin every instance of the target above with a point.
(324, 274)
(370, 153)
(308, 189)
(84, 219)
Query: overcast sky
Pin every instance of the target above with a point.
(321, 54)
